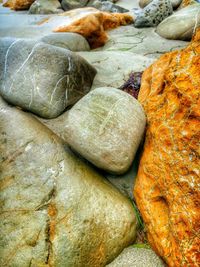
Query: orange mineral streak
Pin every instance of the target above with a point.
(52, 212)
(93, 25)
(167, 189)
(18, 4)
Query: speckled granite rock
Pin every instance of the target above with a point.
(137, 257)
(67, 40)
(153, 13)
(175, 3)
(45, 7)
(25, 66)
(55, 210)
(167, 186)
(18, 4)
(106, 127)
(181, 25)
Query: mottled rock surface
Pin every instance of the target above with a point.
(137, 257)
(106, 127)
(25, 67)
(72, 4)
(175, 3)
(181, 25)
(67, 40)
(18, 4)
(154, 13)
(55, 210)
(45, 7)
(167, 186)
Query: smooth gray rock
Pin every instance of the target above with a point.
(42, 78)
(107, 6)
(106, 127)
(72, 41)
(72, 4)
(137, 257)
(55, 210)
(45, 7)
(154, 13)
(182, 24)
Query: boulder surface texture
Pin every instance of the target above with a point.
(106, 127)
(55, 210)
(167, 186)
(18, 4)
(45, 7)
(42, 78)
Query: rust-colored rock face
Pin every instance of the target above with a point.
(19, 4)
(167, 189)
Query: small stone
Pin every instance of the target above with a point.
(181, 25)
(42, 78)
(18, 4)
(107, 6)
(106, 127)
(72, 4)
(45, 7)
(68, 40)
(137, 257)
(154, 13)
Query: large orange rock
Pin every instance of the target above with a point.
(92, 24)
(167, 189)
(18, 4)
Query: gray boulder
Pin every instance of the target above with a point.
(181, 25)
(175, 3)
(68, 40)
(45, 7)
(107, 6)
(106, 127)
(42, 78)
(55, 210)
(153, 13)
(137, 257)
(72, 4)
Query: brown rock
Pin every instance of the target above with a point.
(167, 187)
(18, 4)
(92, 24)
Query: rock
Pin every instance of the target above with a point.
(68, 40)
(167, 191)
(175, 3)
(18, 4)
(185, 3)
(92, 24)
(72, 4)
(45, 7)
(137, 257)
(154, 13)
(106, 127)
(181, 24)
(107, 6)
(55, 209)
(25, 67)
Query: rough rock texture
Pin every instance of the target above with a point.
(72, 4)
(185, 3)
(175, 3)
(42, 78)
(18, 4)
(137, 257)
(93, 24)
(67, 40)
(181, 25)
(167, 187)
(106, 127)
(107, 6)
(154, 13)
(55, 210)
(45, 7)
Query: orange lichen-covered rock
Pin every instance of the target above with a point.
(167, 188)
(18, 4)
(93, 24)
